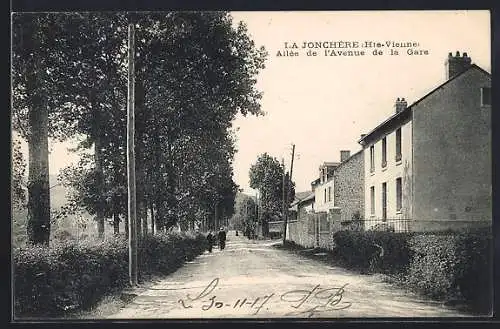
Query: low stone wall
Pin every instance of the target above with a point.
(326, 240)
(276, 227)
(300, 231)
(315, 229)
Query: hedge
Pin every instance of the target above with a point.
(373, 251)
(444, 266)
(49, 282)
(453, 267)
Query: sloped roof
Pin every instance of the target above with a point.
(302, 197)
(330, 164)
(395, 117)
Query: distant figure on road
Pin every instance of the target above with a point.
(210, 239)
(222, 238)
(236, 232)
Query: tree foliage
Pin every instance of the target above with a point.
(195, 71)
(245, 217)
(35, 78)
(267, 175)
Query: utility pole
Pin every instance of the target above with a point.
(246, 217)
(283, 211)
(286, 195)
(257, 210)
(132, 227)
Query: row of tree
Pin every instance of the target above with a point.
(195, 71)
(246, 216)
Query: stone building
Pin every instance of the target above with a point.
(349, 187)
(428, 166)
(336, 198)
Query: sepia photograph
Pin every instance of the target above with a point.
(251, 165)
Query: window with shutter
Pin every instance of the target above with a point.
(398, 144)
(384, 152)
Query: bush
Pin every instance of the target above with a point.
(432, 267)
(474, 277)
(374, 251)
(441, 265)
(71, 275)
(453, 267)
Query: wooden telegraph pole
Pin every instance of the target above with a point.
(132, 227)
(286, 195)
(283, 211)
(257, 210)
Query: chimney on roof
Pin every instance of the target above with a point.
(363, 136)
(344, 155)
(456, 64)
(400, 104)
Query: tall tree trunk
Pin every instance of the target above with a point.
(116, 224)
(139, 170)
(210, 219)
(145, 217)
(115, 203)
(160, 211)
(152, 218)
(184, 225)
(125, 222)
(99, 183)
(116, 218)
(38, 221)
(171, 187)
(171, 218)
(216, 216)
(99, 186)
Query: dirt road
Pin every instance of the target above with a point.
(253, 279)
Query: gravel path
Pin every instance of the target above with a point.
(251, 279)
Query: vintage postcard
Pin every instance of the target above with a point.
(251, 165)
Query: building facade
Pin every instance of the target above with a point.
(349, 187)
(428, 166)
(324, 189)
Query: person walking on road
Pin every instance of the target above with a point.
(222, 238)
(210, 240)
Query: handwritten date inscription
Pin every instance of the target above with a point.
(303, 302)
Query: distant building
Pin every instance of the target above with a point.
(301, 205)
(336, 198)
(324, 188)
(340, 186)
(430, 162)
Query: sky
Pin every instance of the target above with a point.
(322, 104)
